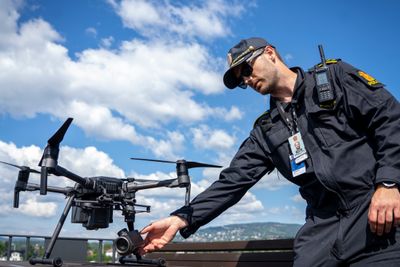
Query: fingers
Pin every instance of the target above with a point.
(152, 245)
(396, 219)
(380, 221)
(384, 212)
(147, 229)
(372, 219)
(388, 221)
(160, 233)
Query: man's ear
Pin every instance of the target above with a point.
(270, 51)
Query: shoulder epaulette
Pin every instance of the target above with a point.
(362, 76)
(261, 118)
(327, 62)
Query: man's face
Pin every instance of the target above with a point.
(297, 145)
(259, 73)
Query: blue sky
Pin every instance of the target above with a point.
(144, 79)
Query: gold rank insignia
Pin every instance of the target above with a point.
(368, 78)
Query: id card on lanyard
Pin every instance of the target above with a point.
(298, 153)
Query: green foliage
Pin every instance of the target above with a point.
(3, 248)
(93, 252)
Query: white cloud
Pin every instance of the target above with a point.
(272, 181)
(112, 93)
(91, 32)
(207, 20)
(107, 42)
(288, 57)
(287, 209)
(298, 198)
(206, 138)
(84, 162)
(35, 208)
(247, 209)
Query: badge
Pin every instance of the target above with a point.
(297, 168)
(368, 78)
(297, 148)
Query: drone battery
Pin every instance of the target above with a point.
(99, 218)
(92, 218)
(78, 215)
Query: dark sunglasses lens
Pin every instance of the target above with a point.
(242, 85)
(247, 70)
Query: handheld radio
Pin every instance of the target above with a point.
(322, 78)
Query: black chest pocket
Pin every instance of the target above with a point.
(331, 126)
(277, 141)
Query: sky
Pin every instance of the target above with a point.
(144, 79)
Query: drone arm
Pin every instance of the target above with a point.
(53, 189)
(60, 171)
(134, 186)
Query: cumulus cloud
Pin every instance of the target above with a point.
(298, 198)
(91, 32)
(85, 162)
(114, 94)
(206, 138)
(38, 209)
(107, 42)
(272, 181)
(204, 20)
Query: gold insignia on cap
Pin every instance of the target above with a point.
(370, 80)
(229, 58)
(243, 54)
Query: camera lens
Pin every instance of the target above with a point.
(122, 245)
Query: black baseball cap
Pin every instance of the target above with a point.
(239, 54)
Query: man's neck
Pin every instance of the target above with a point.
(285, 86)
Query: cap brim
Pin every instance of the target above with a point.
(230, 79)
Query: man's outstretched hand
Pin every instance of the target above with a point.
(160, 233)
(384, 211)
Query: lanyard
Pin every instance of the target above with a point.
(290, 122)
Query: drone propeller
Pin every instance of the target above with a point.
(182, 171)
(56, 139)
(189, 164)
(22, 168)
(50, 155)
(129, 179)
(22, 181)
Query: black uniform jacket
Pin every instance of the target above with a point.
(353, 145)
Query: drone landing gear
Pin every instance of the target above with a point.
(140, 261)
(56, 262)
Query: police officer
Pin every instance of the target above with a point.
(348, 173)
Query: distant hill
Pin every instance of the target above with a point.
(246, 231)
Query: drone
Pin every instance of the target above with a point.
(93, 199)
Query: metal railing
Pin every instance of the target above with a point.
(253, 253)
(29, 237)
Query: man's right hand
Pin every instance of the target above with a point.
(161, 232)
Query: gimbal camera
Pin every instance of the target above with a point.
(93, 199)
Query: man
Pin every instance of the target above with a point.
(349, 173)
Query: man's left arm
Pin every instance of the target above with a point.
(379, 113)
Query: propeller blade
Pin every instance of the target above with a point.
(56, 139)
(138, 180)
(193, 164)
(20, 167)
(154, 160)
(16, 166)
(189, 164)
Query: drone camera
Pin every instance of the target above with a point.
(128, 242)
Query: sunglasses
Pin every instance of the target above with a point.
(246, 69)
